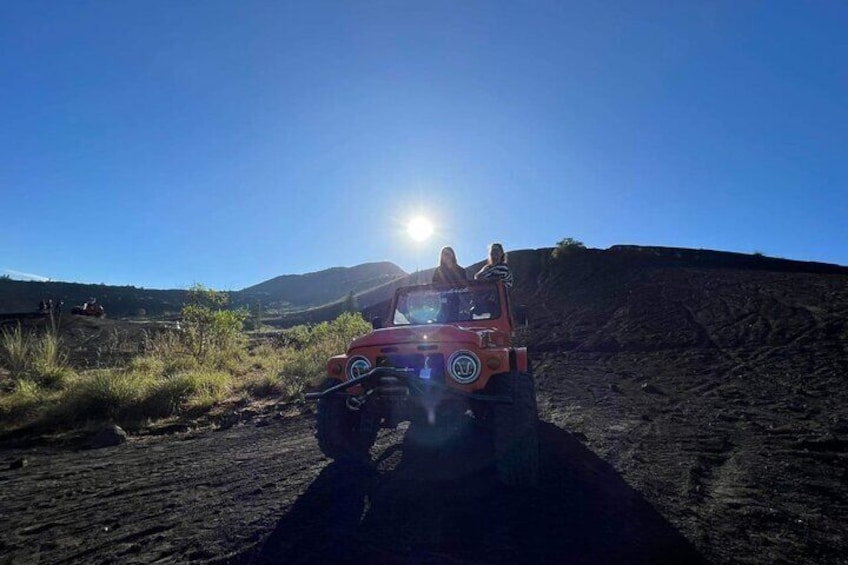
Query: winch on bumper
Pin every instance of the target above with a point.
(386, 382)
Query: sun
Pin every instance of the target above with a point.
(420, 228)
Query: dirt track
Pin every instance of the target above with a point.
(688, 415)
(265, 494)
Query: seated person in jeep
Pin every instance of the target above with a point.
(496, 267)
(448, 270)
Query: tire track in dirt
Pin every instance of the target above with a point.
(220, 486)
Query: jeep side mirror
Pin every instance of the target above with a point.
(376, 322)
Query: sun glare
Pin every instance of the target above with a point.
(420, 228)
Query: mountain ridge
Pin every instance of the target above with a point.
(321, 295)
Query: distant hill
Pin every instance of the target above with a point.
(119, 301)
(314, 297)
(370, 302)
(285, 293)
(298, 292)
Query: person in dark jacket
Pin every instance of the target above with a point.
(449, 271)
(496, 267)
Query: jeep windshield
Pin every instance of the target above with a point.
(442, 305)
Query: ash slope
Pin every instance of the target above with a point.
(694, 406)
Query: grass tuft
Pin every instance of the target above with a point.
(15, 350)
(105, 395)
(22, 401)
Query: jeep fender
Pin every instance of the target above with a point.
(518, 360)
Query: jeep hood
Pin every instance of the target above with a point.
(435, 333)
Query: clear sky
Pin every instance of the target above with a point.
(162, 143)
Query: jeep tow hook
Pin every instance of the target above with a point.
(343, 386)
(336, 388)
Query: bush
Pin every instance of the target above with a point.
(136, 396)
(208, 326)
(208, 388)
(307, 364)
(567, 246)
(33, 357)
(191, 390)
(105, 395)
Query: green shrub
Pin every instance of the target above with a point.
(296, 337)
(166, 397)
(191, 390)
(208, 326)
(307, 365)
(207, 387)
(567, 246)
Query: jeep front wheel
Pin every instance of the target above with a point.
(515, 429)
(343, 433)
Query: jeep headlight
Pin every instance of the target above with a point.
(357, 366)
(464, 367)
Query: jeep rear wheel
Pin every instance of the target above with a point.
(515, 429)
(343, 433)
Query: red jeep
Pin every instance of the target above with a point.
(444, 354)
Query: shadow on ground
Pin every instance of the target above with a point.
(417, 512)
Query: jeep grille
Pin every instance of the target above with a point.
(415, 362)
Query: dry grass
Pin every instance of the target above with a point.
(35, 357)
(165, 380)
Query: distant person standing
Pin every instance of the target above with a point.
(449, 271)
(496, 267)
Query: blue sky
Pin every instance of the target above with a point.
(162, 143)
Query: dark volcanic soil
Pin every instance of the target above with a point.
(691, 413)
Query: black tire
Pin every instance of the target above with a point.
(515, 429)
(344, 434)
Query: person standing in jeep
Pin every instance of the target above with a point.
(496, 268)
(449, 270)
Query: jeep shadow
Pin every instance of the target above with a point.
(444, 506)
